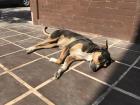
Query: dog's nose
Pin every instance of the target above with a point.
(94, 67)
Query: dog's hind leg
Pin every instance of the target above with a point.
(40, 46)
(50, 40)
(69, 59)
(64, 53)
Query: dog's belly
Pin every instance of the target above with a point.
(79, 54)
(63, 42)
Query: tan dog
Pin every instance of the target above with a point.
(74, 47)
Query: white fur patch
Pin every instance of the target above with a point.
(52, 59)
(30, 48)
(64, 66)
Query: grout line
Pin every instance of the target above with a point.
(114, 44)
(120, 47)
(101, 97)
(4, 44)
(16, 77)
(11, 53)
(4, 32)
(98, 100)
(45, 83)
(16, 41)
(127, 93)
(92, 37)
(136, 67)
(19, 98)
(24, 33)
(25, 64)
(122, 63)
(126, 49)
(21, 65)
(53, 53)
(127, 71)
(4, 72)
(12, 36)
(27, 86)
(46, 100)
(91, 77)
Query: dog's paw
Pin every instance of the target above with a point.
(30, 50)
(53, 60)
(57, 75)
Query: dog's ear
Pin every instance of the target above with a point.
(105, 46)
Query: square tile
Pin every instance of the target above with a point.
(17, 59)
(117, 98)
(22, 29)
(8, 49)
(37, 72)
(8, 33)
(108, 75)
(17, 38)
(38, 33)
(9, 89)
(2, 42)
(131, 46)
(28, 43)
(131, 82)
(73, 89)
(30, 100)
(122, 55)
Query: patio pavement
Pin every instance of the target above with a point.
(27, 79)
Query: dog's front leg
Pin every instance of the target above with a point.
(64, 67)
(64, 53)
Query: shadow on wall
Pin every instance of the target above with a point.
(21, 16)
(137, 34)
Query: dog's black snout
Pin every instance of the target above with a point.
(94, 67)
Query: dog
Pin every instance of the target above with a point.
(75, 47)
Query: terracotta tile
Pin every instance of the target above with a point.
(73, 89)
(7, 89)
(37, 72)
(30, 100)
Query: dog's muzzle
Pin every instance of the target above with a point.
(94, 66)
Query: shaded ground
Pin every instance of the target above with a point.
(15, 14)
(28, 79)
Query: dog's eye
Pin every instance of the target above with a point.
(100, 58)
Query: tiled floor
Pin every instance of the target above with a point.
(27, 79)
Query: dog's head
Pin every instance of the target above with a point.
(101, 58)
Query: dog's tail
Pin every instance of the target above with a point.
(45, 31)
